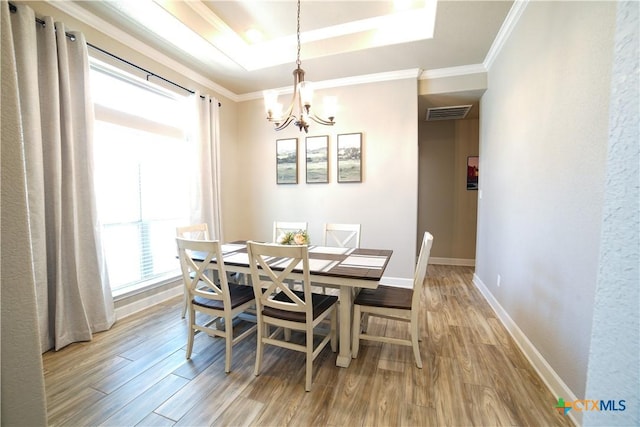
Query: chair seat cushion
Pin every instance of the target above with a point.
(386, 296)
(239, 294)
(320, 302)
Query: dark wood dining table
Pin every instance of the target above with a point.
(346, 269)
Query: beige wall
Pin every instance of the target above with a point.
(385, 203)
(543, 145)
(445, 207)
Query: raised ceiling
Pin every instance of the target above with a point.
(340, 39)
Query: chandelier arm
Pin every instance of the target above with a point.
(322, 121)
(287, 114)
(286, 123)
(289, 111)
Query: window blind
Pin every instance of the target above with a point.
(142, 180)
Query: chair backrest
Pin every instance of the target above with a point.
(421, 269)
(269, 282)
(342, 235)
(282, 227)
(193, 232)
(196, 258)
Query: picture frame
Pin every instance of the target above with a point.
(317, 159)
(473, 163)
(287, 161)
(349, 152)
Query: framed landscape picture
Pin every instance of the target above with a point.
(350, 157)
(287, 161)
(317, 159)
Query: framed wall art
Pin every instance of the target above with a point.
(350, 157)
(287, 161)
(472, 172)
(317, 159)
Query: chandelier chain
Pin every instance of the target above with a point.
(298, 36)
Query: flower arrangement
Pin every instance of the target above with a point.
(299, 237)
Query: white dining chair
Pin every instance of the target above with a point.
(394, 303)
(193, 232)
(285, 309)
(341, 235)
(282, 227)
(220, 300)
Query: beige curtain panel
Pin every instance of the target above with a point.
(56, 118)
(205, 196)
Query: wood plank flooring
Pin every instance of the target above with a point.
(136, 374)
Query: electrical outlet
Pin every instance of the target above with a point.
(499, 278)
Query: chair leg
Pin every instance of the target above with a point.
(365, 322)
(355, 332)
(309, 367)
(185, 304)
(228, 330)
(260, 331)
(334, 332)
(414, 342)
(416, 353)
(190, 332)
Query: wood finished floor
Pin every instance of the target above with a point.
(136, 374)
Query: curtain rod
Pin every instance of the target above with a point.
(149, 73)
(14, 9)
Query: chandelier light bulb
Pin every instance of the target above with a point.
(306, 93)
(277, 110)
(330, 104)
(270, 100)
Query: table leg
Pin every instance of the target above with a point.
(344, 316)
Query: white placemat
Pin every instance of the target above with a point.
(318, 265)
(237, 258)
(331, 250)
(364, 261)
(230, 247)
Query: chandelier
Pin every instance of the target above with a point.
(301, 101)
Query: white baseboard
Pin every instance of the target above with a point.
(553, 382)
(141, 304)
(452, 261)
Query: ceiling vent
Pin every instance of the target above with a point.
(448, 113)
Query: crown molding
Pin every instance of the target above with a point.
(462, 70)
(126, 39)
(411, 73)
(505, 31)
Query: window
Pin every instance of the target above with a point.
(141, 176)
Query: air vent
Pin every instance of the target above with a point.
(448, 113)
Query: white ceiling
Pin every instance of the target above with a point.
(340, 39)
